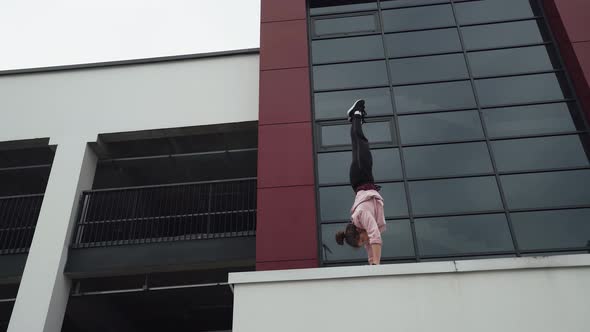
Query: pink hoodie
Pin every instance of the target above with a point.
(367, 213)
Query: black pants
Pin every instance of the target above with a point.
(361, 168)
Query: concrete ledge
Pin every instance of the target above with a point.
(462, 266)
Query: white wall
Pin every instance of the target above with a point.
(80, 104)
(523, 294)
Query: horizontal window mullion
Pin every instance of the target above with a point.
(475, 50)
(450, 177)
(423, 55)
(504, 138)
(470, 254)
(18, 168)
(457, 214)
(353, 87)
(545, 170)
(530, 18)
(420, 29)
(442, 142)
(556, 71)
(550, 208)
(341, 36)
(431, 82)
(552, 101)
(349, 61)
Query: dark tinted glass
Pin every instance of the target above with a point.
(376, 132)
(422, 42)
(455, 195)
(433, 97)
(347, 49)
(541, 190)
(463, 235)
(436, 127)
(530, 120)
(428, 68)
(335, 202)
(334, 105)
(492, 10)
(540, 153)
(510, 61)
(345, 25)
(447, 160)
(334, 167)
(407, 3)
(398, 238)
(552, 229)
(333, 7)
(502, 34)
(350, 75)
(418, 18)
(519, 89)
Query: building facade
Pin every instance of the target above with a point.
(129, 190)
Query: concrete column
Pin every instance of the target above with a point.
(44, 290)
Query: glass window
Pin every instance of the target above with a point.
(502, 34)
(334, 105)
(407, 3)
(345, 25)
(429, 68)
(347, 49)
(422, 42)
(455, 195)
(434, 97)
(463, 235)
(418, 18)
(531, 120)
(519, 89)
(350, 75)
(540, 153)
(552, 229)
(447, 160)
(398, 239)
(335, 202)
(339, 135)
(323, 7)
(437, 127)
(510, 61)
(543, 190)
(333, 168)
(492, 10)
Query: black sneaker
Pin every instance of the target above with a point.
(358, 106)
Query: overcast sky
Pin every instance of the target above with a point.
(39, 33)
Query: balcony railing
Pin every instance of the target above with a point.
(191, 211)
(18, 218)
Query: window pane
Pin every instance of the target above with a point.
(422, 42)
(406, 3)
(323, 7)
(339, 135)
(433, 97)
(448, 160)
(552, 229)
(347, 49)
(335, 202)
(510, 61)
(463, 235)
(531, 120)
(334, 167)
(437, 127)
(345, 25)
(397, 242)
(540, 153)
(519, 89)
(350, 75)
(492, 10)
(502, 34)
(333, 105)
(541, 190)
(418, 18)
(455, 195)
(430, 68)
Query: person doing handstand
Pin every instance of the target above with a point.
(367, 217)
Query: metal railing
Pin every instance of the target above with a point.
(189, 211)
(18, 218)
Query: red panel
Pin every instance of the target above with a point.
(283, 10)
(583, 54)
(285, 156)
(286, 227)
(283, 45)
(575, 15)
(286, 265)
(284, 96)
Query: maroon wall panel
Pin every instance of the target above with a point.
(287, 231)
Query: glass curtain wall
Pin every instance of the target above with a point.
(478, 140)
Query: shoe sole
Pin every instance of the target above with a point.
(349, 113)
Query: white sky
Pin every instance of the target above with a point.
(39, 33)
